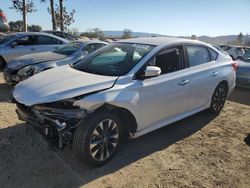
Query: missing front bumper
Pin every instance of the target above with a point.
(58, 124)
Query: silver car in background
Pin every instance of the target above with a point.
(243, 71)
(25, 66)
(130, 87)
(18, 44)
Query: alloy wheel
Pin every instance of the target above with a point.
(104, 140)
(219, 98)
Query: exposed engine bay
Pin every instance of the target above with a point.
(56, 121)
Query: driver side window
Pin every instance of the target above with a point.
(168, 60)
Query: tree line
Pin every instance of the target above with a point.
(60, 17)
(240, 40)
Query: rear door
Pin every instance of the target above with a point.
(203, 74)
(47, 43)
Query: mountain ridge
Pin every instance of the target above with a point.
(217, 40)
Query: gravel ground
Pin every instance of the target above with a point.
(199, 151)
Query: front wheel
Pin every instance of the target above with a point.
(97, 140)
(219, 98)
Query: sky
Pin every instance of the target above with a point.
(167, 17)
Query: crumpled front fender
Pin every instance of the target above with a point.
(120, 98)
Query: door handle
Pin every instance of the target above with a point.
(214, 74)
(183, 82)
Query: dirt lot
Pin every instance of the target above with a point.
(200, 151)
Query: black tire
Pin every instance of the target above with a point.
(89, 132)
(2, 63)
(219, 98)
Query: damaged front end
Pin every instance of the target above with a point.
(56, 120)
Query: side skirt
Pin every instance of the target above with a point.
(167, 122)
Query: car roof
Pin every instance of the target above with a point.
(156, 41)
(52, 31)
(38, 33)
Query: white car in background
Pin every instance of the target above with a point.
(18, 44)
(129, 87)
(26, 66)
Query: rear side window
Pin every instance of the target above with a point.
(197, 55)
(45, 40)
(213, 54)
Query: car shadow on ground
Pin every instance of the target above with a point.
(240, 95)
(247, 139)
(5, 90)
(136, 149)
(27, 160)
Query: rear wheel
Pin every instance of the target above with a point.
(219, 98)
(2, 63)
(97, 140)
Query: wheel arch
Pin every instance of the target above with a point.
(123, 114)
(225, 82)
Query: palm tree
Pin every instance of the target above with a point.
(52, 12)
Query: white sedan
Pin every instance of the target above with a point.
(130, 87)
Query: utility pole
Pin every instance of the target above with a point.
(24, 17)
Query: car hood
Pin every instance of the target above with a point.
(58, 84)
(35, 58)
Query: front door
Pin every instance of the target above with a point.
(167, 95)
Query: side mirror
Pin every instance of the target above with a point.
(151, 71)
(14, 44)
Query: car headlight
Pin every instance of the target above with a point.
(31, 70)
(27, 71)
(39, 68)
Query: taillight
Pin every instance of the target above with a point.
(234, 65)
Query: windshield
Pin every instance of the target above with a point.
(7, 39)
(113, 60)
(69, 48)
